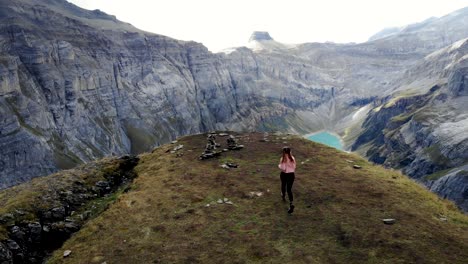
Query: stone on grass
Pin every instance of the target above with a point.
(178, 147)
(232, 165)
(389, 221)
(255, 194)
(220, 201)
(66, 253)
(356, 166)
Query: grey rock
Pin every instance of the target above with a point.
(12, 245)
(389, 221)
(179, 147)
(232, 165)
(102, 184)
(17, 233)
(58, 213)
(357, 166)
(67, 253)
(35, 232)
(6, 257)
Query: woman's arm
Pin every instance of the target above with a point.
(281, 165)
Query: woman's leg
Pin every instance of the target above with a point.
(289, 183)
(283, 184)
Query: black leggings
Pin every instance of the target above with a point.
(287, 180)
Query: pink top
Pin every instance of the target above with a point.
(287, 166)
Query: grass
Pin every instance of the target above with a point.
(338, 217)
(437, 175)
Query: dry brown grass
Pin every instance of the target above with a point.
(338, 217)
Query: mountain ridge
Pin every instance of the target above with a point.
(164, 216)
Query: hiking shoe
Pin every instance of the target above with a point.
(283, 197)
(291, 209)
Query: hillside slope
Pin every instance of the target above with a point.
(164, 218)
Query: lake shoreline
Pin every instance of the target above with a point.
(330, 133)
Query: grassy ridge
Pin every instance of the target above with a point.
(338, 217)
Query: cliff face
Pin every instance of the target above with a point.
(422, 128)
(76, 85)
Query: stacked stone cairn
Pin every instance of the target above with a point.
(210, 149)
(232, 143)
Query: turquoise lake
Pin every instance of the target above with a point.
(327, 139)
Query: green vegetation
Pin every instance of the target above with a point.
(402, 118)
(437, 175)
(338, 217)
(436, 155)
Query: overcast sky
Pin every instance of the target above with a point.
(220, 24)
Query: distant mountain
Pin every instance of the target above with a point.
(76, 85)
(385, 33)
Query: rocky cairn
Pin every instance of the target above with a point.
(232, 143)
(210, 149)
(211, 146)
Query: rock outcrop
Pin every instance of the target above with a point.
(38, 217)
(453, 186)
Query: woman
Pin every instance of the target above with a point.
(287, 165)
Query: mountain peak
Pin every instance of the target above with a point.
(260, 36)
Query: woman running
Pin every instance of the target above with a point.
(287, 165)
